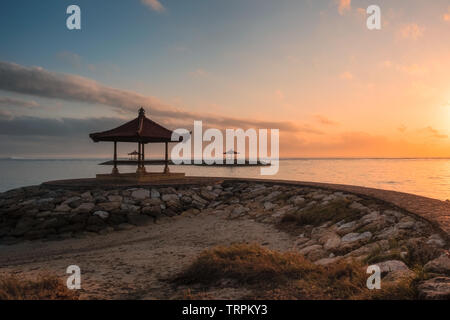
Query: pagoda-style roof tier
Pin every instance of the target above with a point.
(141, 129)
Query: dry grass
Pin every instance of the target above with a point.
(417, 253)
(317, 215)
(275, 275)
(44, 288)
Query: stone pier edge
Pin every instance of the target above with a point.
(435, 211)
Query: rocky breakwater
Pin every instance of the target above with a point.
(328, 226)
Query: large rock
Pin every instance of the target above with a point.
(154, 193)
(371, 217)
(435, 289)
(45, 204)
(71, 200)
(358, 206)
(169, 197)
(63, 208)
(327, 261)
(269, 206)
(436, 240)
(86, 207)
(154, 211)
(273, 196)
(309, 249)
(439, 265)
(140, 194)
(208, 195)
(332, 241)
(102, 214)
(348, 227)
(129, 208)
(109, 206)
(297, 200)
(356, 237)
(115, 198)
(394, 269)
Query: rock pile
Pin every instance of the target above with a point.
(329, 226)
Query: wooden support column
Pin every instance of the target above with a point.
(166, 162)
(139, 158)
(143, 158)
(115, 170)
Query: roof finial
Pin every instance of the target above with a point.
(141, 112)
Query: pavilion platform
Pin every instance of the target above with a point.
(140, 177)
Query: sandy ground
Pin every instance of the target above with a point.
(133, 264)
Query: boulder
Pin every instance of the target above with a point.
(102, 214)
(348, 227)
(269, 206)
(63, 208)
(115, 198)
(387, 267)
(140, 194)
(297, 201)
(436, 240)
(332, 241)
(435, 289)
(169, 197)
(109, 206)
(358, 206)
(327, 261)
(309, 249)
(86, 207)
(439, 265)
(154, 211)
(154, 194)
(206, 194)
(356, 237)
(129, 208)
(273, 195)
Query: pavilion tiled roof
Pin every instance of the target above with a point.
(141, 129)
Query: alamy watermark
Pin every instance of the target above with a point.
(74, 280)
(213, 153)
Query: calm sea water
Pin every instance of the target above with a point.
(427, 177)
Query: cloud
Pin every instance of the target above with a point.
(433, 133)
(411, 31)
(324, 120)
(39, 82)
(155, 5)
(344, 6)
(9, 102)
(5, 115)
(35, 126)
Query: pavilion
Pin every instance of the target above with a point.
(133, 155)
(142, 131)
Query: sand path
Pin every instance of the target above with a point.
(132, 264)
